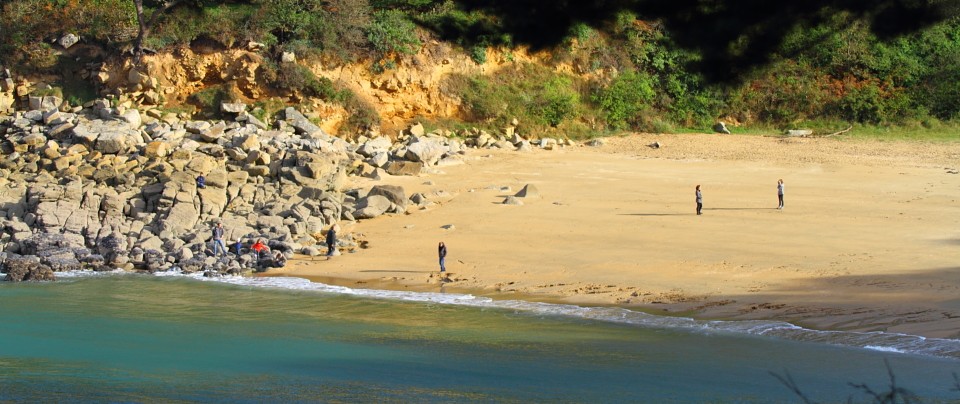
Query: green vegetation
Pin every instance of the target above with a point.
(630, 74)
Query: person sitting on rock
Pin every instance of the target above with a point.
(201, 182)
(279, 260)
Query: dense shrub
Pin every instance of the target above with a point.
(539, 97)
(392, 33)
(625, 98)
(557, 101)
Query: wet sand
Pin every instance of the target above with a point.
(869, 238)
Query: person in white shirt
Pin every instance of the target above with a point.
(780, 193)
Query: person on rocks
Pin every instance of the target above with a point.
(780, 193)
(201, 182)
(279, 260)
(259, 248)
(218, 246)
(238, 246)
(442, 252)
(331, 240)
(699, 200)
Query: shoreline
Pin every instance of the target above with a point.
(826, 282)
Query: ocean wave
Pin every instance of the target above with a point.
(877, 341)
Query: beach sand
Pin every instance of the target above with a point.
(869, 238)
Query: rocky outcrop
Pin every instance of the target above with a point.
(107, 186)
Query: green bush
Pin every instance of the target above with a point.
(557, 101)
(392, 33)
(625, 98)
(540, 98)
(298, 78)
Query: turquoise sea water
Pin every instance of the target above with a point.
(140, 338)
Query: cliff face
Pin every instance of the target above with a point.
(415, 88)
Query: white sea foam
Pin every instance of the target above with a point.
(878, 341)
(883, 349)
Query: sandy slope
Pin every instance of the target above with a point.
(869, 239)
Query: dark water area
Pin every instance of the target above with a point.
(134, 338)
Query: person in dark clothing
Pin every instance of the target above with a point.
(218, 247)
(442, 251)
(201, 182)
(331, 240)
(699, 200)
(238, 246)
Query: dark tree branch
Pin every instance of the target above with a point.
(146, 26)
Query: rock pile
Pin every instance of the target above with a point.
(103, 186)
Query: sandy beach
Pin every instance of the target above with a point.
(869, 238)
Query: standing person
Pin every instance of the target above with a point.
(218, 240)
(259, 247)
(442, 252)
(331, 240)
(780, 193)
(699, 200)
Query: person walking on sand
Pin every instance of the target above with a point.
(442, 252)
(331, 240)
(699, 200)
(218, 246)
(780, 193)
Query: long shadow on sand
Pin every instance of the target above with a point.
(657, 214)
(739, 209)
(389, 271)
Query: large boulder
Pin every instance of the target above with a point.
(426, 151)
(372, 206)
(392, 192)
(45, 243)
(529, 191)
(404, 168)
(26, 268)
(374, 146)
(302, 125)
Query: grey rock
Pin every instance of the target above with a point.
(233, 107)
(404, 168)
(372, 206)
(417, 130)
(196, 127)
(393, 193)
(26, 268)
(721, 127)
(375, 146)
(528, 191)
(302, 125)
(311, 251)
(512, 200)
(68, 40)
